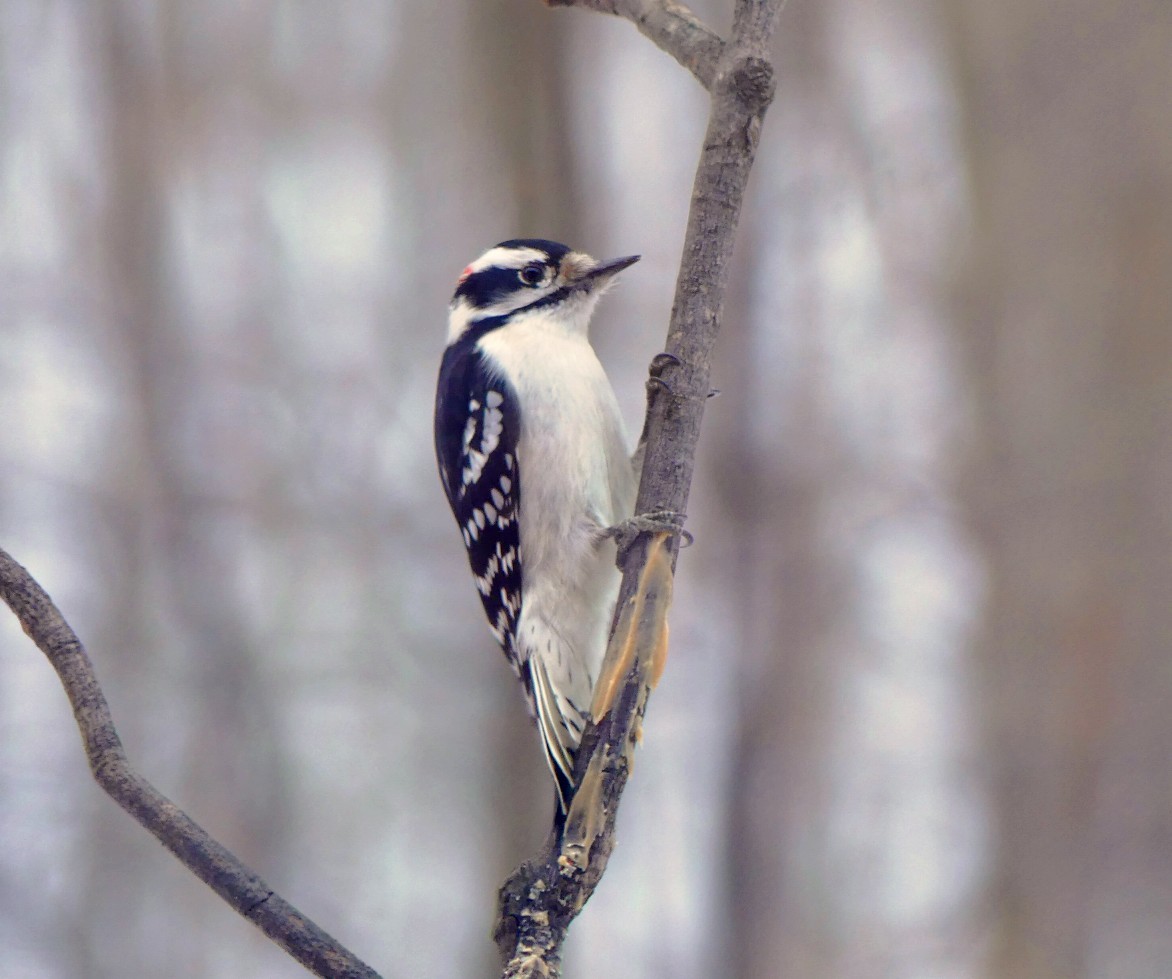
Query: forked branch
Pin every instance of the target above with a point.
(671, 26)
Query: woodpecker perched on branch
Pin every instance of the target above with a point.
(535, 463)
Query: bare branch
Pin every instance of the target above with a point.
(542, 897)
(671, 26)
(212, 863)
(753, 24)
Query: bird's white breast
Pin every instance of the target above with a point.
(575, 472)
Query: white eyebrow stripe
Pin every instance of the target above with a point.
(507, 258)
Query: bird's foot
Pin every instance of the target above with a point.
(654, 522)
(655, 382)
(660, 363)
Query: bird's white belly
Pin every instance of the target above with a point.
(572, 487)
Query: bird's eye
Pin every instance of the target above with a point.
(532, 273)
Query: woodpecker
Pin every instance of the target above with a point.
(534, 461)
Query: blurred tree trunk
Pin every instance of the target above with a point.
(771, 472)
(215, 710)
(1065, 317)
(777, 582)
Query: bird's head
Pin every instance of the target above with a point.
(530, 275)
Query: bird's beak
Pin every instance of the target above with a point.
(604, 270)
(595, 275)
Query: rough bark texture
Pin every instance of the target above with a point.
(542, 897)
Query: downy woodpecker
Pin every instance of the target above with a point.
(534, 460)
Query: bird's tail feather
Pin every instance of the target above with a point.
(560, 724)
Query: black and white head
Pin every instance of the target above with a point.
(531, 275)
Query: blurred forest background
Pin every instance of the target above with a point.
(918, 716)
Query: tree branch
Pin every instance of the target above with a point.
(671, 26)
(212, 863)
(542, 897)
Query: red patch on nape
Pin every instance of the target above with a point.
(463, 275)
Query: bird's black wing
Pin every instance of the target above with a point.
(477, 426)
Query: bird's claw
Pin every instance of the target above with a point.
(659, 363)
(662, 361)
(654, 522)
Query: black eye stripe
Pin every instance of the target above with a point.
(488, 286)
(497, 284)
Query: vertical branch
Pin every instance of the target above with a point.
(542, 897)
(740, 96)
